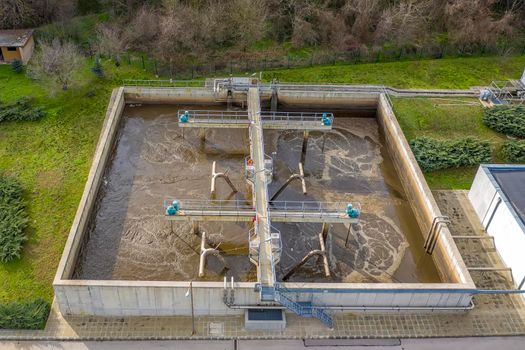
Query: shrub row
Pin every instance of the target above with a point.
(514, 151)
(29, 315)
(506, 119)
(432, 154)
(13, 219)
(22, 109)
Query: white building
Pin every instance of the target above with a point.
(498, 196)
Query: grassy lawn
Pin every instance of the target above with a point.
(446, 119)
(51, 158)
(448, 73)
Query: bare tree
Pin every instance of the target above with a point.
(304, 33)
(473, 22)
(110, 42)
(143, 29)
(15, 13)
(247, 19)
(404, 24)
(362, 17)
(57, 63)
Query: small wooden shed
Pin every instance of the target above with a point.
(16, 44)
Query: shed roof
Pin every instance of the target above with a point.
(15, 37)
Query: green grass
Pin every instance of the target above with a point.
(447, 119)
(448, 73)
(51, 158)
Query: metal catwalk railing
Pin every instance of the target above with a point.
(170, 83)
(225, 84)
(292, 211)
(269, 119)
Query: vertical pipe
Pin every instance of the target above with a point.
(324, 231)
(195, 227)
(306, 135)
(492, 215)
(213, 178)
(325, 257)
(348, 234)
(192, 310)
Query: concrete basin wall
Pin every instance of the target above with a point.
(140, 298)
(102, 154)
(446, 256)
(116, 298)
(334, 99)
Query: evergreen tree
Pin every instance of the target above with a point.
(17, 66)
(97, 68)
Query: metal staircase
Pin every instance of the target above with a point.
(304, 309)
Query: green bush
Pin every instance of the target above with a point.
(432, 154)
(514, 151)
(22, 109)
(29, 315)
(17, 66)
(13, 219)
(506, 119)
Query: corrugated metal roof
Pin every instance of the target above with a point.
(15, 37)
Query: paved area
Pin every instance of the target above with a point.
(493, 315)
(507, 343)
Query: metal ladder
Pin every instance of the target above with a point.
(304, 309)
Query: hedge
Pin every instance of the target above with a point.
(28, 315)
(514, 151)
(13, 219)
(21, 109)
(506, 119)
(432, 154)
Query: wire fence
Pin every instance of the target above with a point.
(225, 66)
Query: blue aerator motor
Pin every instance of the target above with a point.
(351, 211)
(326, 120)
(485, 95)
(173, 209)
(185, 117)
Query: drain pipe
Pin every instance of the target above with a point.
(493, 213)
(361, 308)
(319, 252)
(299, 176)
(204, 252)
(215, 175)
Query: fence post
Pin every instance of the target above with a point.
(156, 70)
(288, 58)
(231, 67)
(143, 64)
(192, 72)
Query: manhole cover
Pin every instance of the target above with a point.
(216, 328)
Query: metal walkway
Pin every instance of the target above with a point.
(267, 260)
(280, 211)
(269, 120)
(265, 245)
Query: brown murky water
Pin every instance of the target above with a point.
(153, 160)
